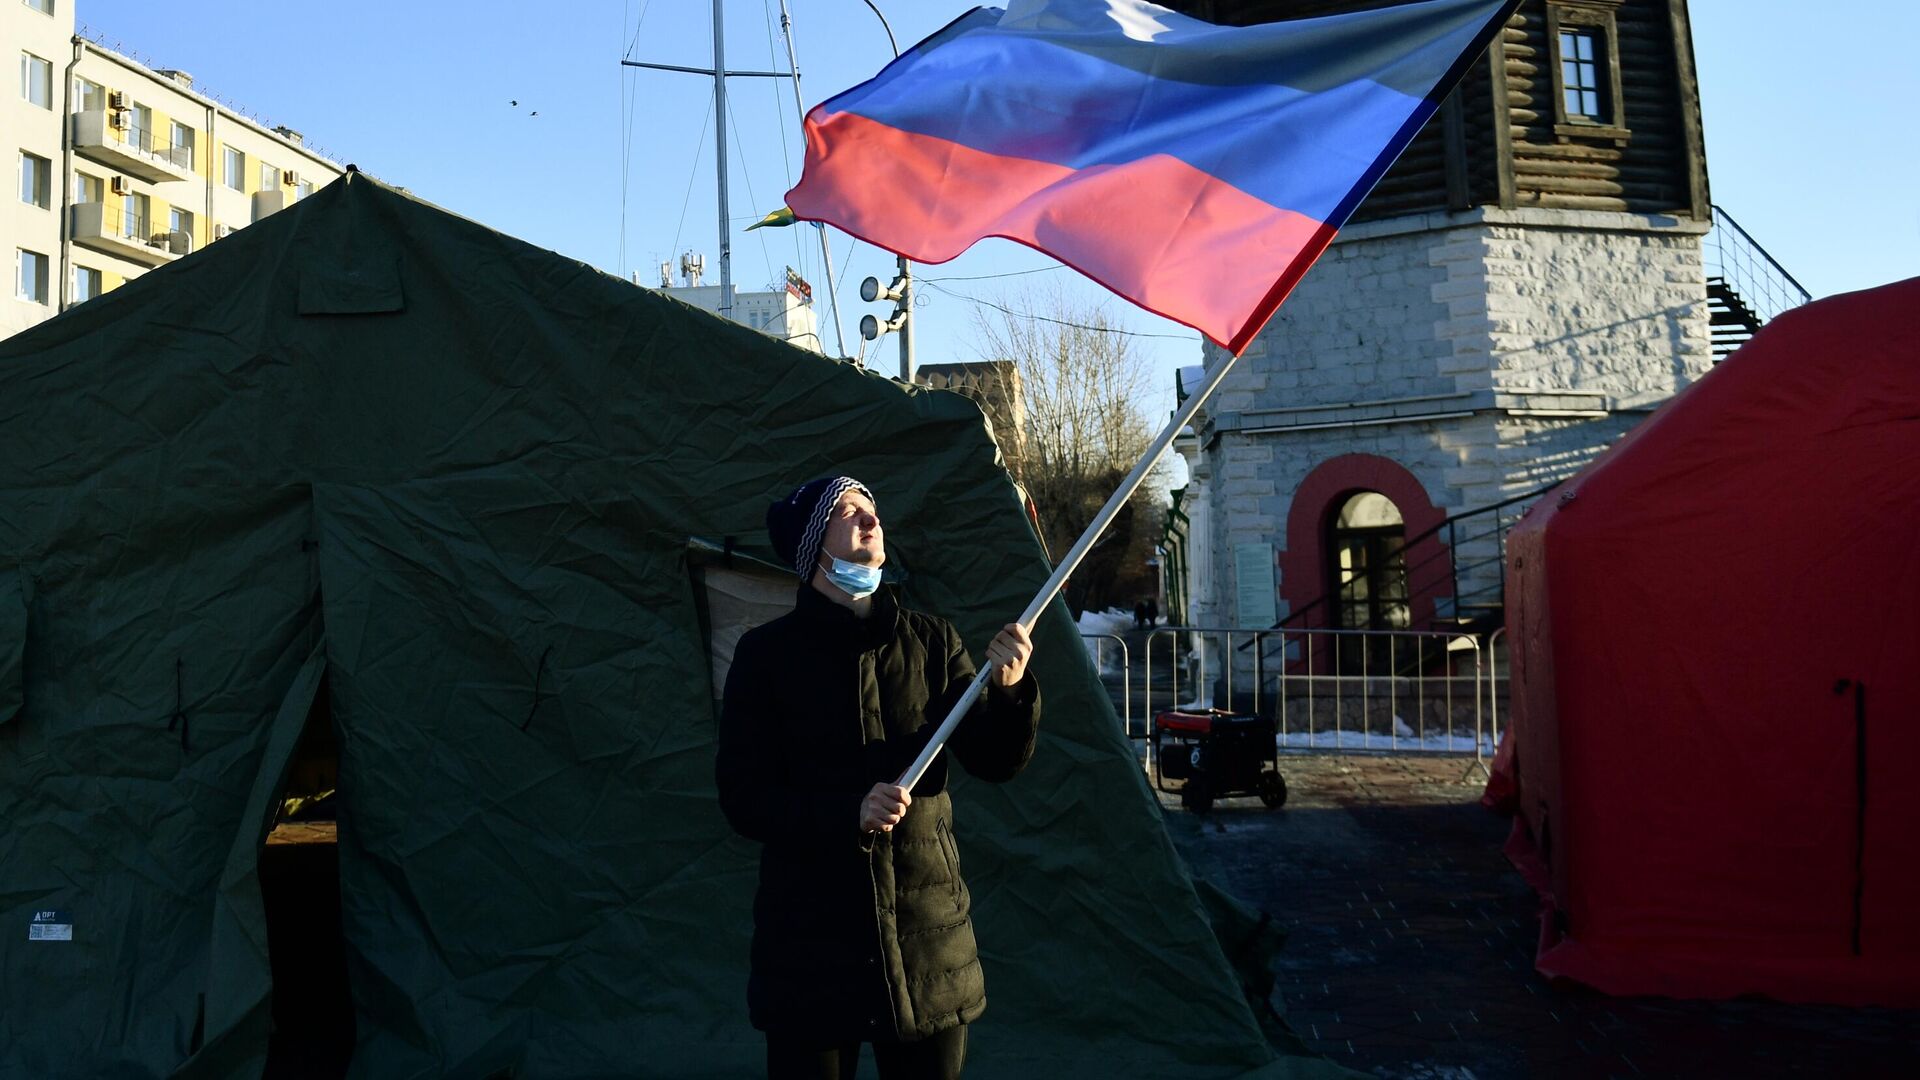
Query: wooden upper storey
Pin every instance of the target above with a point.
(1627, 138)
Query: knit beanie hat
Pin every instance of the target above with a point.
(797, 524)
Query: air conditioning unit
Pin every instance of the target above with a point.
(221, 232)
(288, 178)
(120, 119)
(117, 99)
(121, 186)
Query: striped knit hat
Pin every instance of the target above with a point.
(797, 524)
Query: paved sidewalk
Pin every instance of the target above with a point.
(1410, 948)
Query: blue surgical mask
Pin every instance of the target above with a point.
(855, 579)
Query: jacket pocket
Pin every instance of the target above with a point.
(950, 853)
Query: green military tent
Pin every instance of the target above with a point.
(490, 517)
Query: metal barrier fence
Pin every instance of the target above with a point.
(1494, 691)
(1126, 674)
(1392, 691)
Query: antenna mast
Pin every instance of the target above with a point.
(800, 105)
(720, 75)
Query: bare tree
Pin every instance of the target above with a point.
(1081, 428)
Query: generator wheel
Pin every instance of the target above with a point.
(1196, 795)
(1273, 789)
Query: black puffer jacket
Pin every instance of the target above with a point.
(858, 937)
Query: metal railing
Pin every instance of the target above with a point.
(149, 143)
(1331, 694)
(131, 225)
(1735, 257)
(1126, 675)
(1494, 689)
(1463, 530)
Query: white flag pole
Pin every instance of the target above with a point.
(1069, 562)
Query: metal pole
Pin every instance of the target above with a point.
(800, 105)
(720, 157)
(906, 320)
(1071, 561)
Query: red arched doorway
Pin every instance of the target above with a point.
(1360, 509)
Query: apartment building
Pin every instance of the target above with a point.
(121, 168)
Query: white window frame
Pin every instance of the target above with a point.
(44, 7)
(85, 184)
(97, 279)
(140, 126)
(21, 260)
(175, 131)
(88, 95)
(42, 193)
(135, 209)
(27, 60)
(234, 166)
(269, 177)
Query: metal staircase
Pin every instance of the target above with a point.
(1746, 287)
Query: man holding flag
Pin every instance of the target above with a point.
(1196, 170)
(862, 931)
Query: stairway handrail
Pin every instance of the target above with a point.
(1720, 212)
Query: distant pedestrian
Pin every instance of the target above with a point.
(1153, 611)
(1139, 614)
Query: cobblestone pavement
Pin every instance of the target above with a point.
(1410, 947)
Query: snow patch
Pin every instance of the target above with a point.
(1403, 739)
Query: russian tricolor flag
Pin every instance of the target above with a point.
(1197, 170)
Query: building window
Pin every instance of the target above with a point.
(88, 189)
(88, 96)
(1368, 544)
(302, 189)
(1586, 71)
(182, 140)
(86, 283)
(36, 80)
(1580, 74)
(236, 175)
(44, 7)
(30, 276)
(179, 220)
(140, 129)
(269, 177)
(36, 180)
(135, 222)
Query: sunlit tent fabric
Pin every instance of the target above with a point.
(1715, 666)
(464, 484)
(1197, 170)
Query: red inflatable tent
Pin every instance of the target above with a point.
(1716, 679)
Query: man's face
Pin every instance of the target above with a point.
(853, 532)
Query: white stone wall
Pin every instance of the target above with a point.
(1487, 352)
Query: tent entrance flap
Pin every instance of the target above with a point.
(239, 984)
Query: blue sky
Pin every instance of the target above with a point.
(1808, 121)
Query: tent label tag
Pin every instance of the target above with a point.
(50, 926)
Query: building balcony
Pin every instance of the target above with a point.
(126, 236)
(129, 150)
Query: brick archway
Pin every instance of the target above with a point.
(1303, 566)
